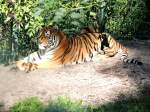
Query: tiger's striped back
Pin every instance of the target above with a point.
(89, 29)
(82, 48)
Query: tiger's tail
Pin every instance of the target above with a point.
(126, 59)
(111, 47)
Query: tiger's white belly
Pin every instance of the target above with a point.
(34, 58)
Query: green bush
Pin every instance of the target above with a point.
(125, 17)
(65, 104)
(19, 22)
(32, 104)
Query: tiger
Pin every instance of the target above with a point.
(60, 50)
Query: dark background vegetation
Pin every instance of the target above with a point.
(20, 21)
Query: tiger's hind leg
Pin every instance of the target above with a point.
(110, 52)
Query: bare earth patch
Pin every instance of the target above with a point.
(93, 82)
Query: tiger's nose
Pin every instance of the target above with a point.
(44, 42)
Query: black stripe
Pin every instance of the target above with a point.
(81, 48)
(132, 60)
(39, 55)
(86, 48)
(87, 39)
(71, 48)
(74, 49)
(95, 46)
(74, 57)
(68, 50)
(91, 55)
(94, 35)
(85, 43)
(88, 35)
(91, 39)
(135, 61)
(80, 44)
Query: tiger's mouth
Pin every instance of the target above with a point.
(42, 46)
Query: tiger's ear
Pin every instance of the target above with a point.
(55, 27)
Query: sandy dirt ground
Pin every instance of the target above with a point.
(93, 82)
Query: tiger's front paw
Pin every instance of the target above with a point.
(28, 67)
(23, 66)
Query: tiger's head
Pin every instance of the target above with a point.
(48, 38)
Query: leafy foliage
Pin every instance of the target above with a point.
(24, 22)
(32, 104)
(125, 17)
(70, 16)
(65, 104)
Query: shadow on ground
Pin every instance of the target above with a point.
(141, 103)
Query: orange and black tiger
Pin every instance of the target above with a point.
(60, 50)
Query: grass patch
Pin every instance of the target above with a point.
(141, 104)
(64, 104)
(61, 104)
(32, 104)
